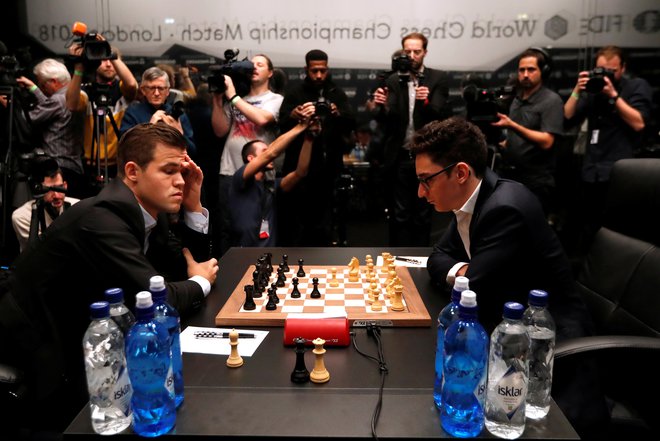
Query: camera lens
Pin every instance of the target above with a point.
(595, 84)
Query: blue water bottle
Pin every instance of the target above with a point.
(447, 316)
(169, 316)
(465, 367)
(148, 357)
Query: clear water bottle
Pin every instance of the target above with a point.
(169, 316)
(107, 378)
(447, 316)
(118, 311)
(541, 329)
(508, 372)
(464, 372)
(148, 356)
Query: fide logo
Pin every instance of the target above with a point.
(647, 22)
(556, 27)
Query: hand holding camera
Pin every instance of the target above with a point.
(597, 80)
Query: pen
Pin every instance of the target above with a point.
(211, 334)
(405, 259)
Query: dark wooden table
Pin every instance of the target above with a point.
(259, 400)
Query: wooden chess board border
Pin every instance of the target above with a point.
(415, 314)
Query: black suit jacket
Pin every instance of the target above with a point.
(395, 115)
(513, 251)
(88, 249)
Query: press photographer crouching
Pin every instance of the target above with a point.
(49, 190)
(617, 109)
(155, 86)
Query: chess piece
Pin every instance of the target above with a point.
(334, 283)
(397, 301)
(301, 271)
(295, 293)
(319, 373)
(354, 270)
(269, 262)
(271, 305)
(388, 284)
(285, 263)
(249, 304)
(281, 277)
(234, 359)
(315, 294)
(376, 305)
(273, 288)
(256, 293)
(300, 373)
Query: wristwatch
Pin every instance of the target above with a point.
(612, 101)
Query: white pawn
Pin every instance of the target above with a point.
(234, 360)
(334, 283)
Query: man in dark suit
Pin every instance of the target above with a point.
(500, 240)
(414, 95)
(120, 238)
(499, 237)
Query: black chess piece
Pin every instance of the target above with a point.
(300, 373)
(315, 294)
(281, 277)
(249, 304)
(256, 293)
(269, 263)
(295, 293)
(273, 289)
(301, 271)
(271, 306)
(285, 263)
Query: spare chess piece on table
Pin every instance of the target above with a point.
(300, 373)
(319, 374)
(234, 359)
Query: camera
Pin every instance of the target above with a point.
(483, 105)
(10, 66)
(240, 73)
(323, 107)
(402, 64)
(596, 80)
(93, 51)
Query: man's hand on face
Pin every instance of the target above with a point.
(161, 115)
(192, 190)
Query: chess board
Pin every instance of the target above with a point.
(349, 298)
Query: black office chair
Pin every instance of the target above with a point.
(620, 283)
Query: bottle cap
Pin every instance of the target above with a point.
(157, 287)
(513, 310)
(143, 300)
(538, 297)
(461, 283)
(99, 310)
(114, 295)
(469, 298)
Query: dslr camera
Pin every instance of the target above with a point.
(484, 104)
(240, 73)
(322, 107)
(402, 65)
(596, 80)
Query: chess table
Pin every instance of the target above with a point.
(259, 401)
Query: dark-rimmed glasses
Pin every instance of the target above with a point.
(425, 181)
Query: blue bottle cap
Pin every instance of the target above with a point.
(513, 310)
(538, 297)
(114, 295)
(99, 310)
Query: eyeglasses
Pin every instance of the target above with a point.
(425, 181)
(155, 88)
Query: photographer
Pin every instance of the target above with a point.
(31, 219)
(242, 119)
(617, 109)
(413, 96)
(113, 87)
(534, 121)
(307, 212)
(155, 86)
(54, 123)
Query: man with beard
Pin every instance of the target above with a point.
(307, 211)
(617, 114)
(535, 119)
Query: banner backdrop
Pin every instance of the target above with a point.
(463, 35)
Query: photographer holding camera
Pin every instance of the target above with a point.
(414, 95)
(241, 119)
(307, 211)
(112, 87)
(155, 86)
(616, 109)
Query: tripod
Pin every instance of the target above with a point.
(100, 108)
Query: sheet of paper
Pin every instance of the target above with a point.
(411, 261)
(219, 346)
